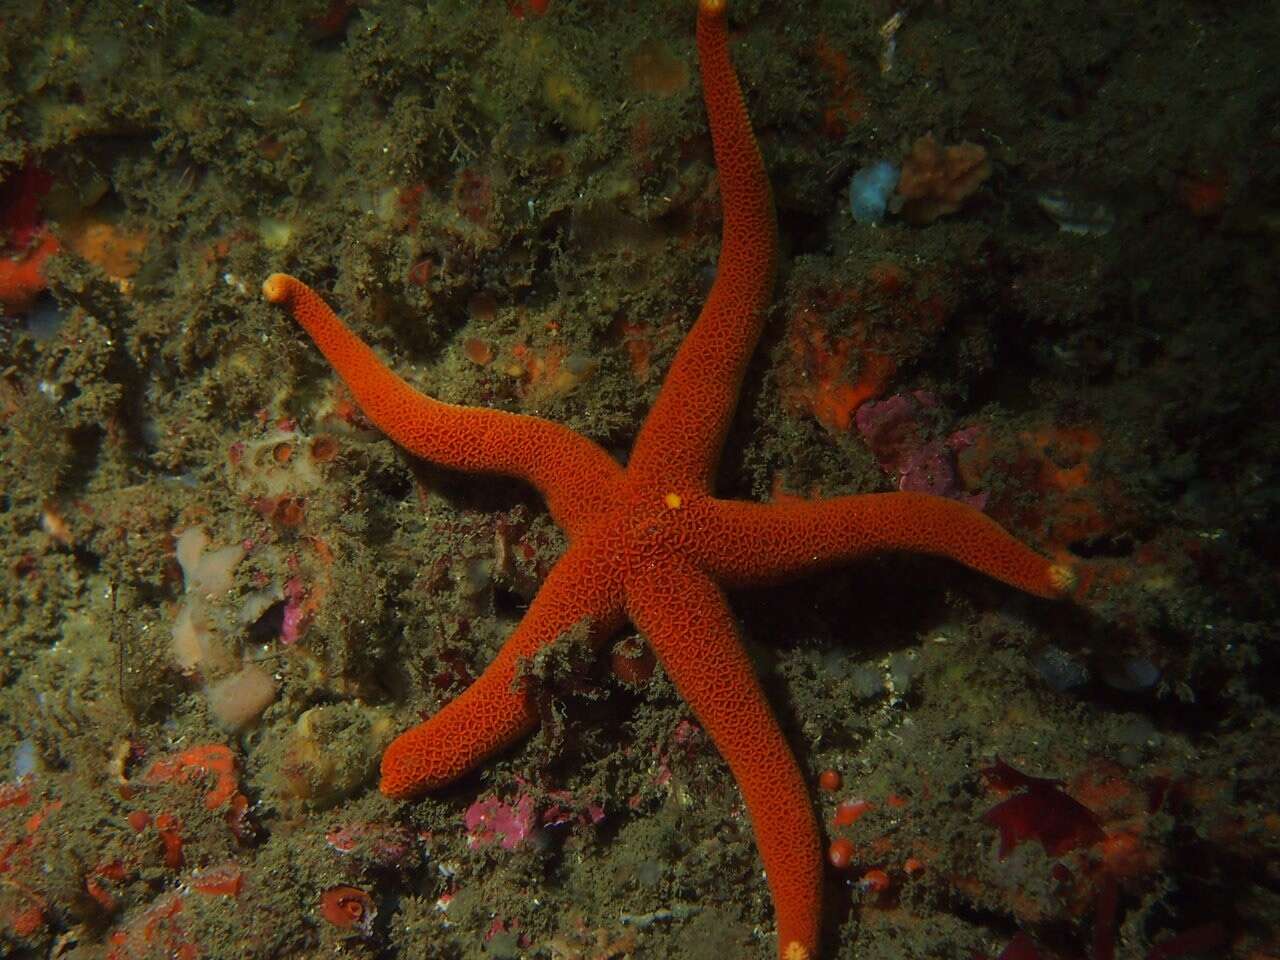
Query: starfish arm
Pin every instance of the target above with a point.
(497, 709)
(688, 623)
(750, 543)
(682, 436)
(572, 473)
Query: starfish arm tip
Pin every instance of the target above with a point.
(275, 289)
(1062, 577)
(712, 8)
(401, 773)
(394, 789)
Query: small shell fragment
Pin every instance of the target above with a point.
(1076, 214)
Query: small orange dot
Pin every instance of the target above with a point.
(840, 853)
(874, 880)
(479, 352)
(673, 500)
(829, 780)
(323, 449)
(849, 811)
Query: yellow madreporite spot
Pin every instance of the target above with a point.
(796, 951)
(673, 500)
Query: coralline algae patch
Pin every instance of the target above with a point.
(898, 434)
(845, 344)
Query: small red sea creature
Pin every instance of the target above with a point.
(632, 661)
(241, 821)
(157, 930)
(840, 853)
(22, 275)
(213, 760)
(98, 883)
(348, 908)
(874, 881)
(170, 829)
(28, 921)
(224, 880)
(15, 794)
(848, 812)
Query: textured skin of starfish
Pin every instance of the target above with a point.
(651, 543)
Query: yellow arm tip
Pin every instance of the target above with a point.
(276, 287)
(1062, 577)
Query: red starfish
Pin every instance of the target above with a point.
(651, 543)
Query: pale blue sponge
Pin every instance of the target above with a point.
(869, 191)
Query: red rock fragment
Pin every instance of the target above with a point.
(1043, 812)
(1000, 776)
